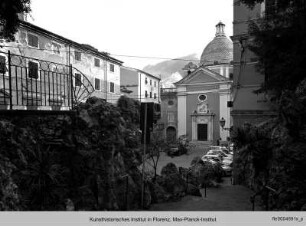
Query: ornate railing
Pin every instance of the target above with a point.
(34, 84)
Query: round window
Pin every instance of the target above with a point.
(170, 102)
(202, 97)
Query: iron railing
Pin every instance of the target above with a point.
(33, 84)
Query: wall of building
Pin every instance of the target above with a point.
(139, 82)
(225, 96)
(181, 110)
(129, 78)
(113, 77)
(146, 86)
(54, 49)
(168, 110)
(246, 104)
(223, 69)
(213, 106)
(87, 67)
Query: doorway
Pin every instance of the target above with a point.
(202, 132)
(171, 134)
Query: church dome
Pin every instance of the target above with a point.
(219, 50)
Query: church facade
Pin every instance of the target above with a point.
(203, 95)
(202, 101)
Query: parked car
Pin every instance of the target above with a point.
(227, 165)
(216, 152)
(221, 153)
(231, 148)
(218, 148)
(225, 149)
(212, 158)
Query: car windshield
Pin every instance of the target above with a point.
(213, 157)
(215, 147)
(226, 162)
(224, 149)
(217, 152)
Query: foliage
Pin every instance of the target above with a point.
(157, 145)
(253, 149)
(282, 30)
(269, 155)
(172, 181)
(272, 154)
(9, 197)
(183, 145)
(9, 10)
(60, 162)
(180, 148)
(204, 173)
(129, 109)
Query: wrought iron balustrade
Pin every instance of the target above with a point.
(34, 84)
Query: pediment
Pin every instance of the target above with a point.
(201, 75)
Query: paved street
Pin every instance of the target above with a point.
(183, 160)
(225, 198)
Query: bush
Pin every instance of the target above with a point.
(205, 172)
(180, 148)
(183, 145)
(169, 169)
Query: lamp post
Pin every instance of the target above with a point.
(222, 124)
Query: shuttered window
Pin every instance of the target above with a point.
(97, 84)
(32, 40)
(77, 55)
(97, 62)
(111, 67)
(112, 87)
(33, 70)
(78, 81)
(2, 64)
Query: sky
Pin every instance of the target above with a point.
(144, 28)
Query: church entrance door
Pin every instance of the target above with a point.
(171, 134)
(202, 132)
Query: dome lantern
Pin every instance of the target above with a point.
(220, 29)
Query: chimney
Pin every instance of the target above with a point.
(22, 17)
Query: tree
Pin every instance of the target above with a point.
(157, 144)
(9, 10)
(282, 30)
(274, 151)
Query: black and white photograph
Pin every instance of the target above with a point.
(151, 108)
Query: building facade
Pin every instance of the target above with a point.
(48, 68)
(168, 121)
(140, 85)
(202, 98)
(248, 107)
(203, 95)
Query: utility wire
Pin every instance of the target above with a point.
(115, 55)
(157, 58)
